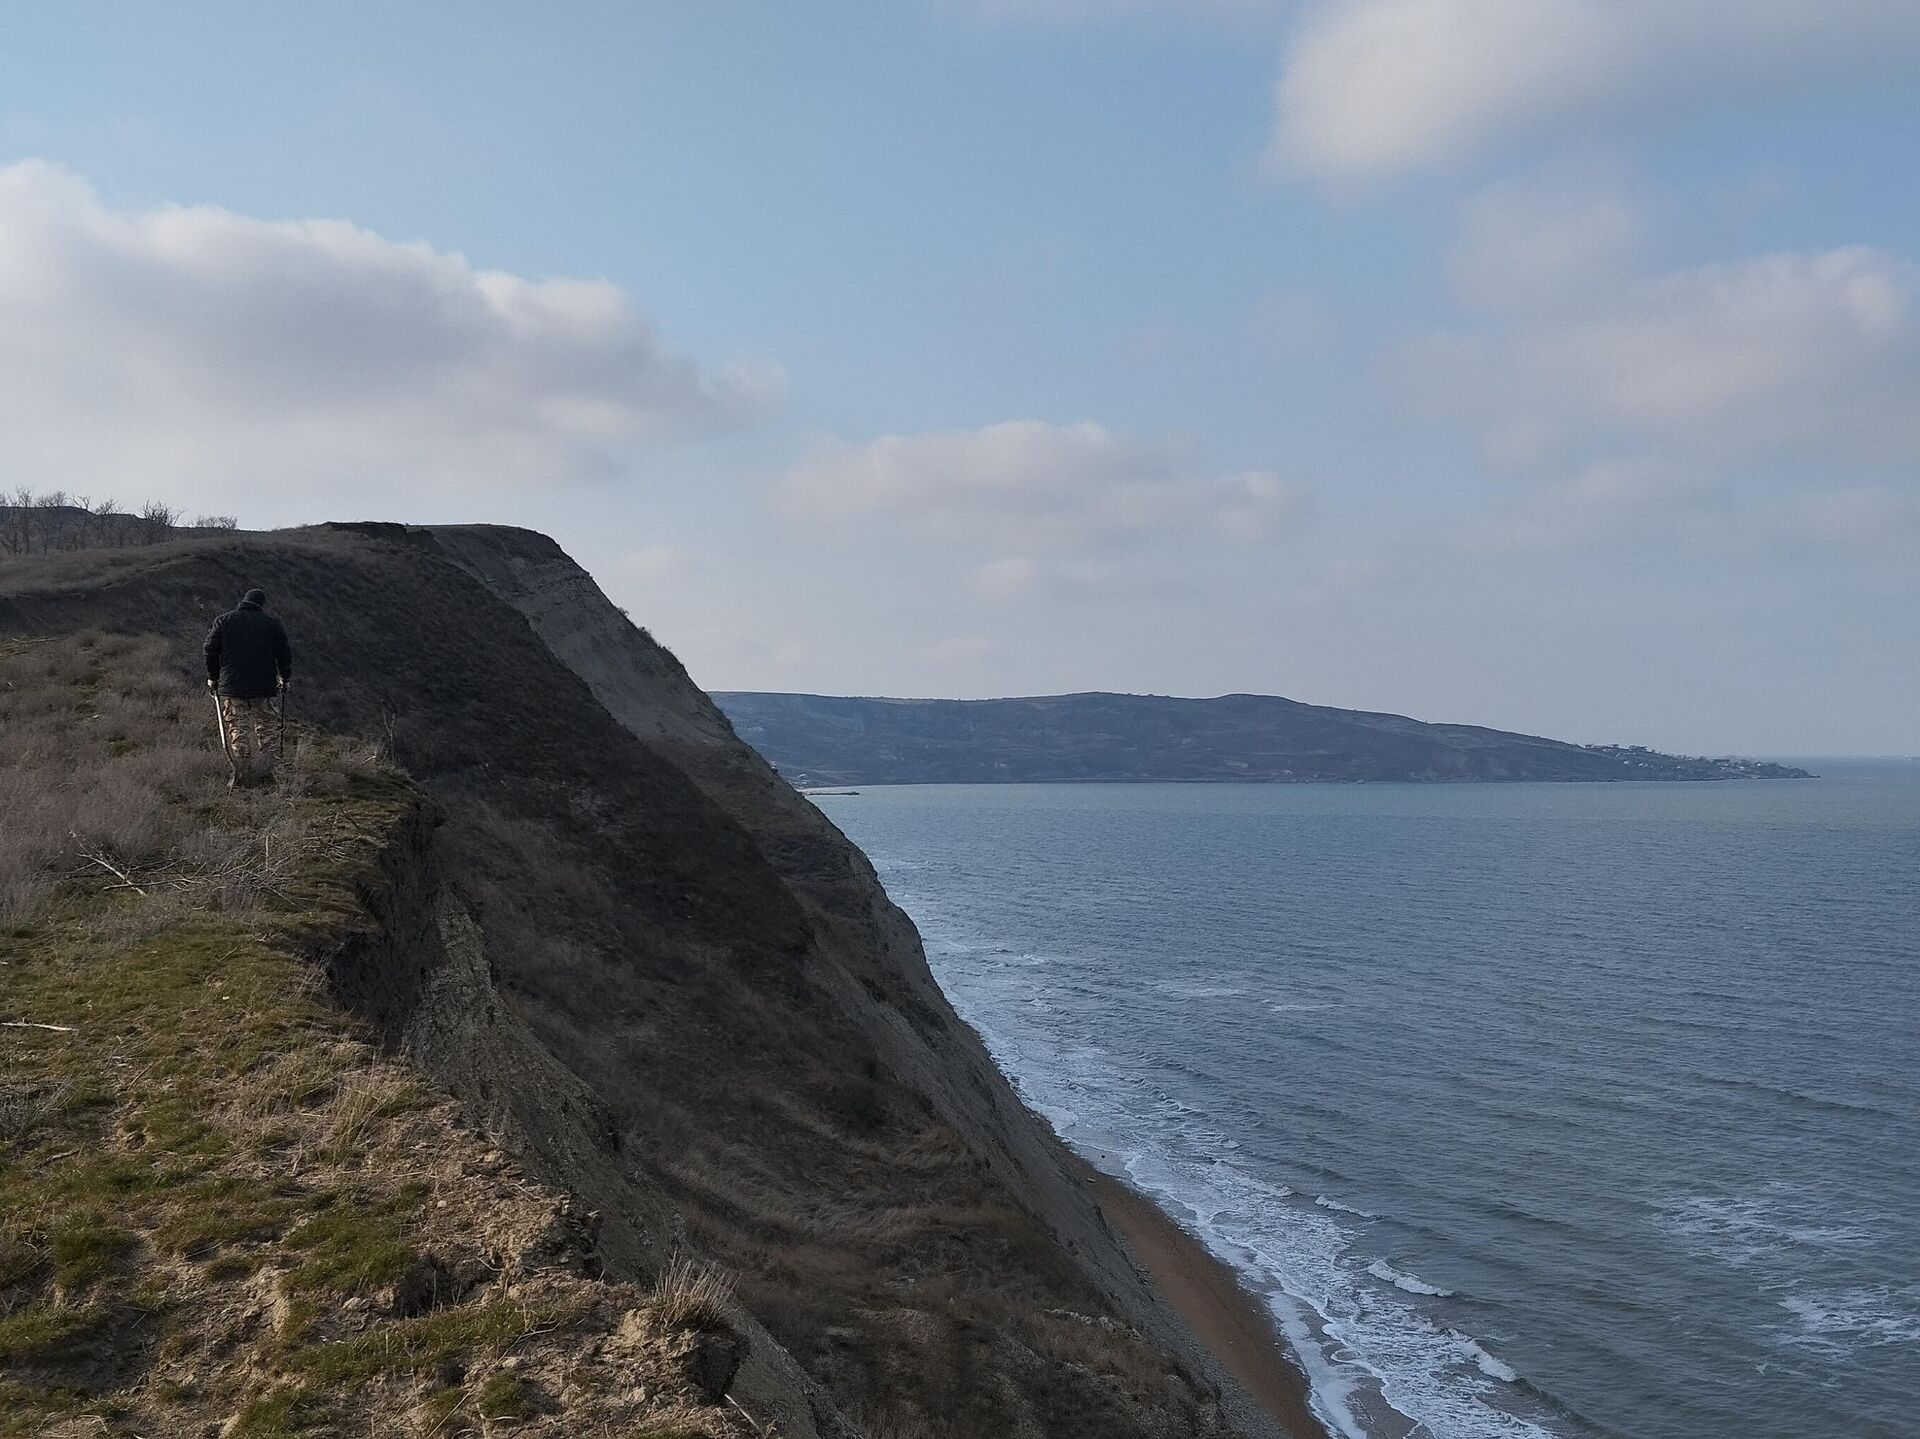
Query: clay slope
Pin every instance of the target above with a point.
(679, 995)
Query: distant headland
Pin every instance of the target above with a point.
(829, 740)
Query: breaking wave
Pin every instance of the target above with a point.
(1380, 1269)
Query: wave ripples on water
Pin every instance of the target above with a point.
(1534, 1110)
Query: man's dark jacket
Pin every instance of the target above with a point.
(248, 654)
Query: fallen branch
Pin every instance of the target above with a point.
(29, 1024)
(113, 869)
(109, 866)
(766, 1431)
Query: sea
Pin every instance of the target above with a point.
(1531, 1109)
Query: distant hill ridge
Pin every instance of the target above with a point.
(832, 740)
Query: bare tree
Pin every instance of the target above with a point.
(60, 520)
(157, 521)
(105, 531)
(23, 518)
(53, 518)
(77, 527)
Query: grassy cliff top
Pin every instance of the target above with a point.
(222, 1211)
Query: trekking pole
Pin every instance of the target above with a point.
(220, 718)
(283, 720)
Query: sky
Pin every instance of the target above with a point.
(1545, 364)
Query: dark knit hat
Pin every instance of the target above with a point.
(254, 597)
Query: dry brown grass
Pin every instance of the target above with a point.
(101, 763)
(362, 1101)
(222, 1211)
(112, 779)
(297, 1082)
(24, 1107)
(692, 1294)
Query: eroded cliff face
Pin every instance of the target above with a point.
(678, 993)
(420, 975)
(874, 964)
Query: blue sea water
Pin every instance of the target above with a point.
(1570, 1110)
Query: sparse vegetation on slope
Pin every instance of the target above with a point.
(221, 1210)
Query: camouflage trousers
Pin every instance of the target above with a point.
(253, 732)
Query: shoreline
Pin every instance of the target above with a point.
(1205, 1292)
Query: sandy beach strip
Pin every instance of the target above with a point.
(1209, 1296)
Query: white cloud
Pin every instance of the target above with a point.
(1076, 11)
(1644, 502)
(653, 565)
(1766, 399)
(1545, 243)
(1007, 578)
(962, 650)
(1610, 500)
(1850, 517)
(1375, 87)
(1026, 480)
(148, 349)
(1292, 324)
(1776, 358)
(1100, 577)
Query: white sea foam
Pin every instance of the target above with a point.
(1297, 1008)
(1332, 1388)
(1400, 1279)
(1354, 1339)
(1865, 1317)
(1486, 1363)
(1744, 1229)
(1187, 989)
(1362, 1344)
(1339, 1208)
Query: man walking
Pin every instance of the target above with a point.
(248, 662)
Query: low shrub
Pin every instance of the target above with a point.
(692, 1294)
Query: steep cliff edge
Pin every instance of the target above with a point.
(874, 966)
(223, 1211)
(678, 994)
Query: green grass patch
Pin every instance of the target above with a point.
(352, 1248)
(436, 1415)
(504, 1396)
(231, 1268)
(134, 1132)
(25, 1412)
(284, 1413)
(220, 1212)
(40, 1329)
(418, 1345)
(86, 1249)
